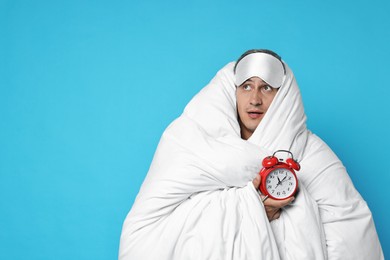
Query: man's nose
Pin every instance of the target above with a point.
(256, 99)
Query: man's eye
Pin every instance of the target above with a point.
(267, 88)
(246, 87)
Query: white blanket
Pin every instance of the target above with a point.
(198, 200)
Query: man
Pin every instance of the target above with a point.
(254, 96)
(199, 199)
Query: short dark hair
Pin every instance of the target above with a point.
(256, 51)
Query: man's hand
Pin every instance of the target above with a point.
(272, 207)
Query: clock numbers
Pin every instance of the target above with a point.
(280, 183)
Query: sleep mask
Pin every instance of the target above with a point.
(262, 65)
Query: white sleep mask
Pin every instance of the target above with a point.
(262, 65)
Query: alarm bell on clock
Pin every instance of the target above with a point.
(278, 178)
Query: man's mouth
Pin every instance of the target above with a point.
(255, 114)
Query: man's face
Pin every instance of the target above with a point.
(254, 97)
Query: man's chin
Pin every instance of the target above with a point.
(252, 128)
(254, 124)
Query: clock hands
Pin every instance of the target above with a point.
(280, 181)
(283, 178)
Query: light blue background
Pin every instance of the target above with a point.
(88, 87)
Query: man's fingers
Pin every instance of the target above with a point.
(276, 215)
(278, 203)
(282, 203)
(256, 181)
(273, 207)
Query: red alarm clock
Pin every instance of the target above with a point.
(278, 178)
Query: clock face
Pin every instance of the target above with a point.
(280, 183)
